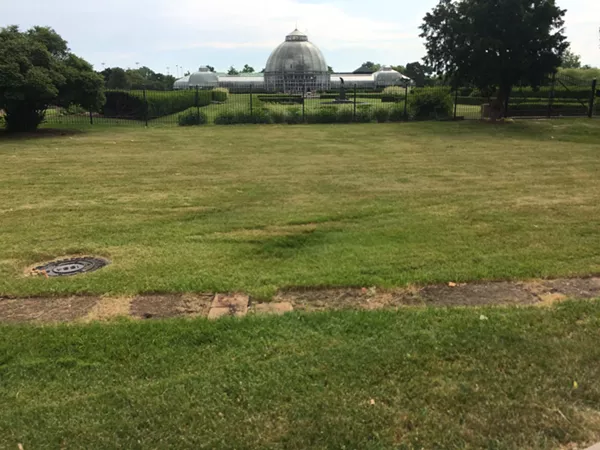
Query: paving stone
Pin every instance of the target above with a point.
(237, 301)
(217, 313)
(228, 305)
(273, 308)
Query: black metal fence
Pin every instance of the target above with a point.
(561, 98)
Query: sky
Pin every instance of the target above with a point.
(180, 35)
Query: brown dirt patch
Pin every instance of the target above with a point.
(536, 292)
(479, 294)
(351, 298)
(163, 306)
(108, 308)
(45, 309)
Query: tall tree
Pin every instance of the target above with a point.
(419, 73)
(247, 69)
(232, 71)
(38, 70)
(570, 60)
(495, 44)
(118, 79)
(368, 67)
(329, 69)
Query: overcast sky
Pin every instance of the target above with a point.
(221, 33)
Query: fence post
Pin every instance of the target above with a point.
(592, 97)
(406, 102)
(251, 108)
(455, 102)
(551, 95)
(354, 114)
(196, 101)
(303, 104)
(145, 107)
(91, 118)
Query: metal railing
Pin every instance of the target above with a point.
(220, 107)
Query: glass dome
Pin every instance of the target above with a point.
(386, 76)
(295, 65)
(203, 78)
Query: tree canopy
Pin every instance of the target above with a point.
(248, 69)
(570, 60)
(232, 71)
(368, 67)
(495, 44)
(38, 70)
(419, 73)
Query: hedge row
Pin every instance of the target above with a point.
(575, 92)
(282, 99)
(133, 105)
(557, 109)
(327, 114)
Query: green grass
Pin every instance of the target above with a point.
(258, 208)
(437, 378)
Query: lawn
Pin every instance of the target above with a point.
(414, 379)
(260, 208)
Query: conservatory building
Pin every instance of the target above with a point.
(296, 66)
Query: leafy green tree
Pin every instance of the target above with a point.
(247, 69)
(419, 74)
(211, 68)
(399, 68)
(232, 71)
(368, 67)
(570, 60)
(330, 69)
(494, 45)
(38, 70)
(118, 79)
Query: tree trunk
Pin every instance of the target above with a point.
(499, 106)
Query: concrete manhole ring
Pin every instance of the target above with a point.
(71, 266)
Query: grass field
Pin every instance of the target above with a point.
(259, 208)
(255, 209)
(414, 379)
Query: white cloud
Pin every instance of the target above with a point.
(265, 22)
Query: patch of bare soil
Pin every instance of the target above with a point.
(41, 309)
(163, 306)
(542, 292)
(501, 293)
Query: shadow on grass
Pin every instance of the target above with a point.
(40, 133)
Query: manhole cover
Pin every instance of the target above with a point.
(71, 266)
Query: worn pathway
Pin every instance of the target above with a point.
(214, 306)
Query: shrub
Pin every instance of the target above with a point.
(430, 103)
(364, 114)
(132, 105)
(192, 118)
(241, 117)
(73, 110)
(382, 115)
(393, 90)
(220, 94)
(326, 114)
(345, 115)
(294, 116)
(396, 113)
(277, 116)
(281, 99)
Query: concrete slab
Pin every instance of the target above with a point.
(237, 301)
